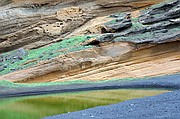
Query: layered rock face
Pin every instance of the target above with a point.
(157, 24)
(36, 23)
(60, 42)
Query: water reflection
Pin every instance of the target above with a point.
(35, 107)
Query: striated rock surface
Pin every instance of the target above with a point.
(36, 23)
(157, 24)
(79, 43)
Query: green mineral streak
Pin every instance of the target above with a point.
(146, 35)
(136, 24)
(35, 107)
(111, 22)
(48, 52)
(9, 84)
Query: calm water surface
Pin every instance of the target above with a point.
(35, 107)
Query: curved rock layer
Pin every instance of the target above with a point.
(114, 61)
(157, 60)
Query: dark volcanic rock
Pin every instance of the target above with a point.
(12, 57)
(1, 68)
(121, 22)
(157, 24)
(161, 12)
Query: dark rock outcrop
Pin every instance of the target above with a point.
(120, 23)
(12, 57)
(157, 24)
(165, 11)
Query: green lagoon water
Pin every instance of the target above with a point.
(35, 107)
